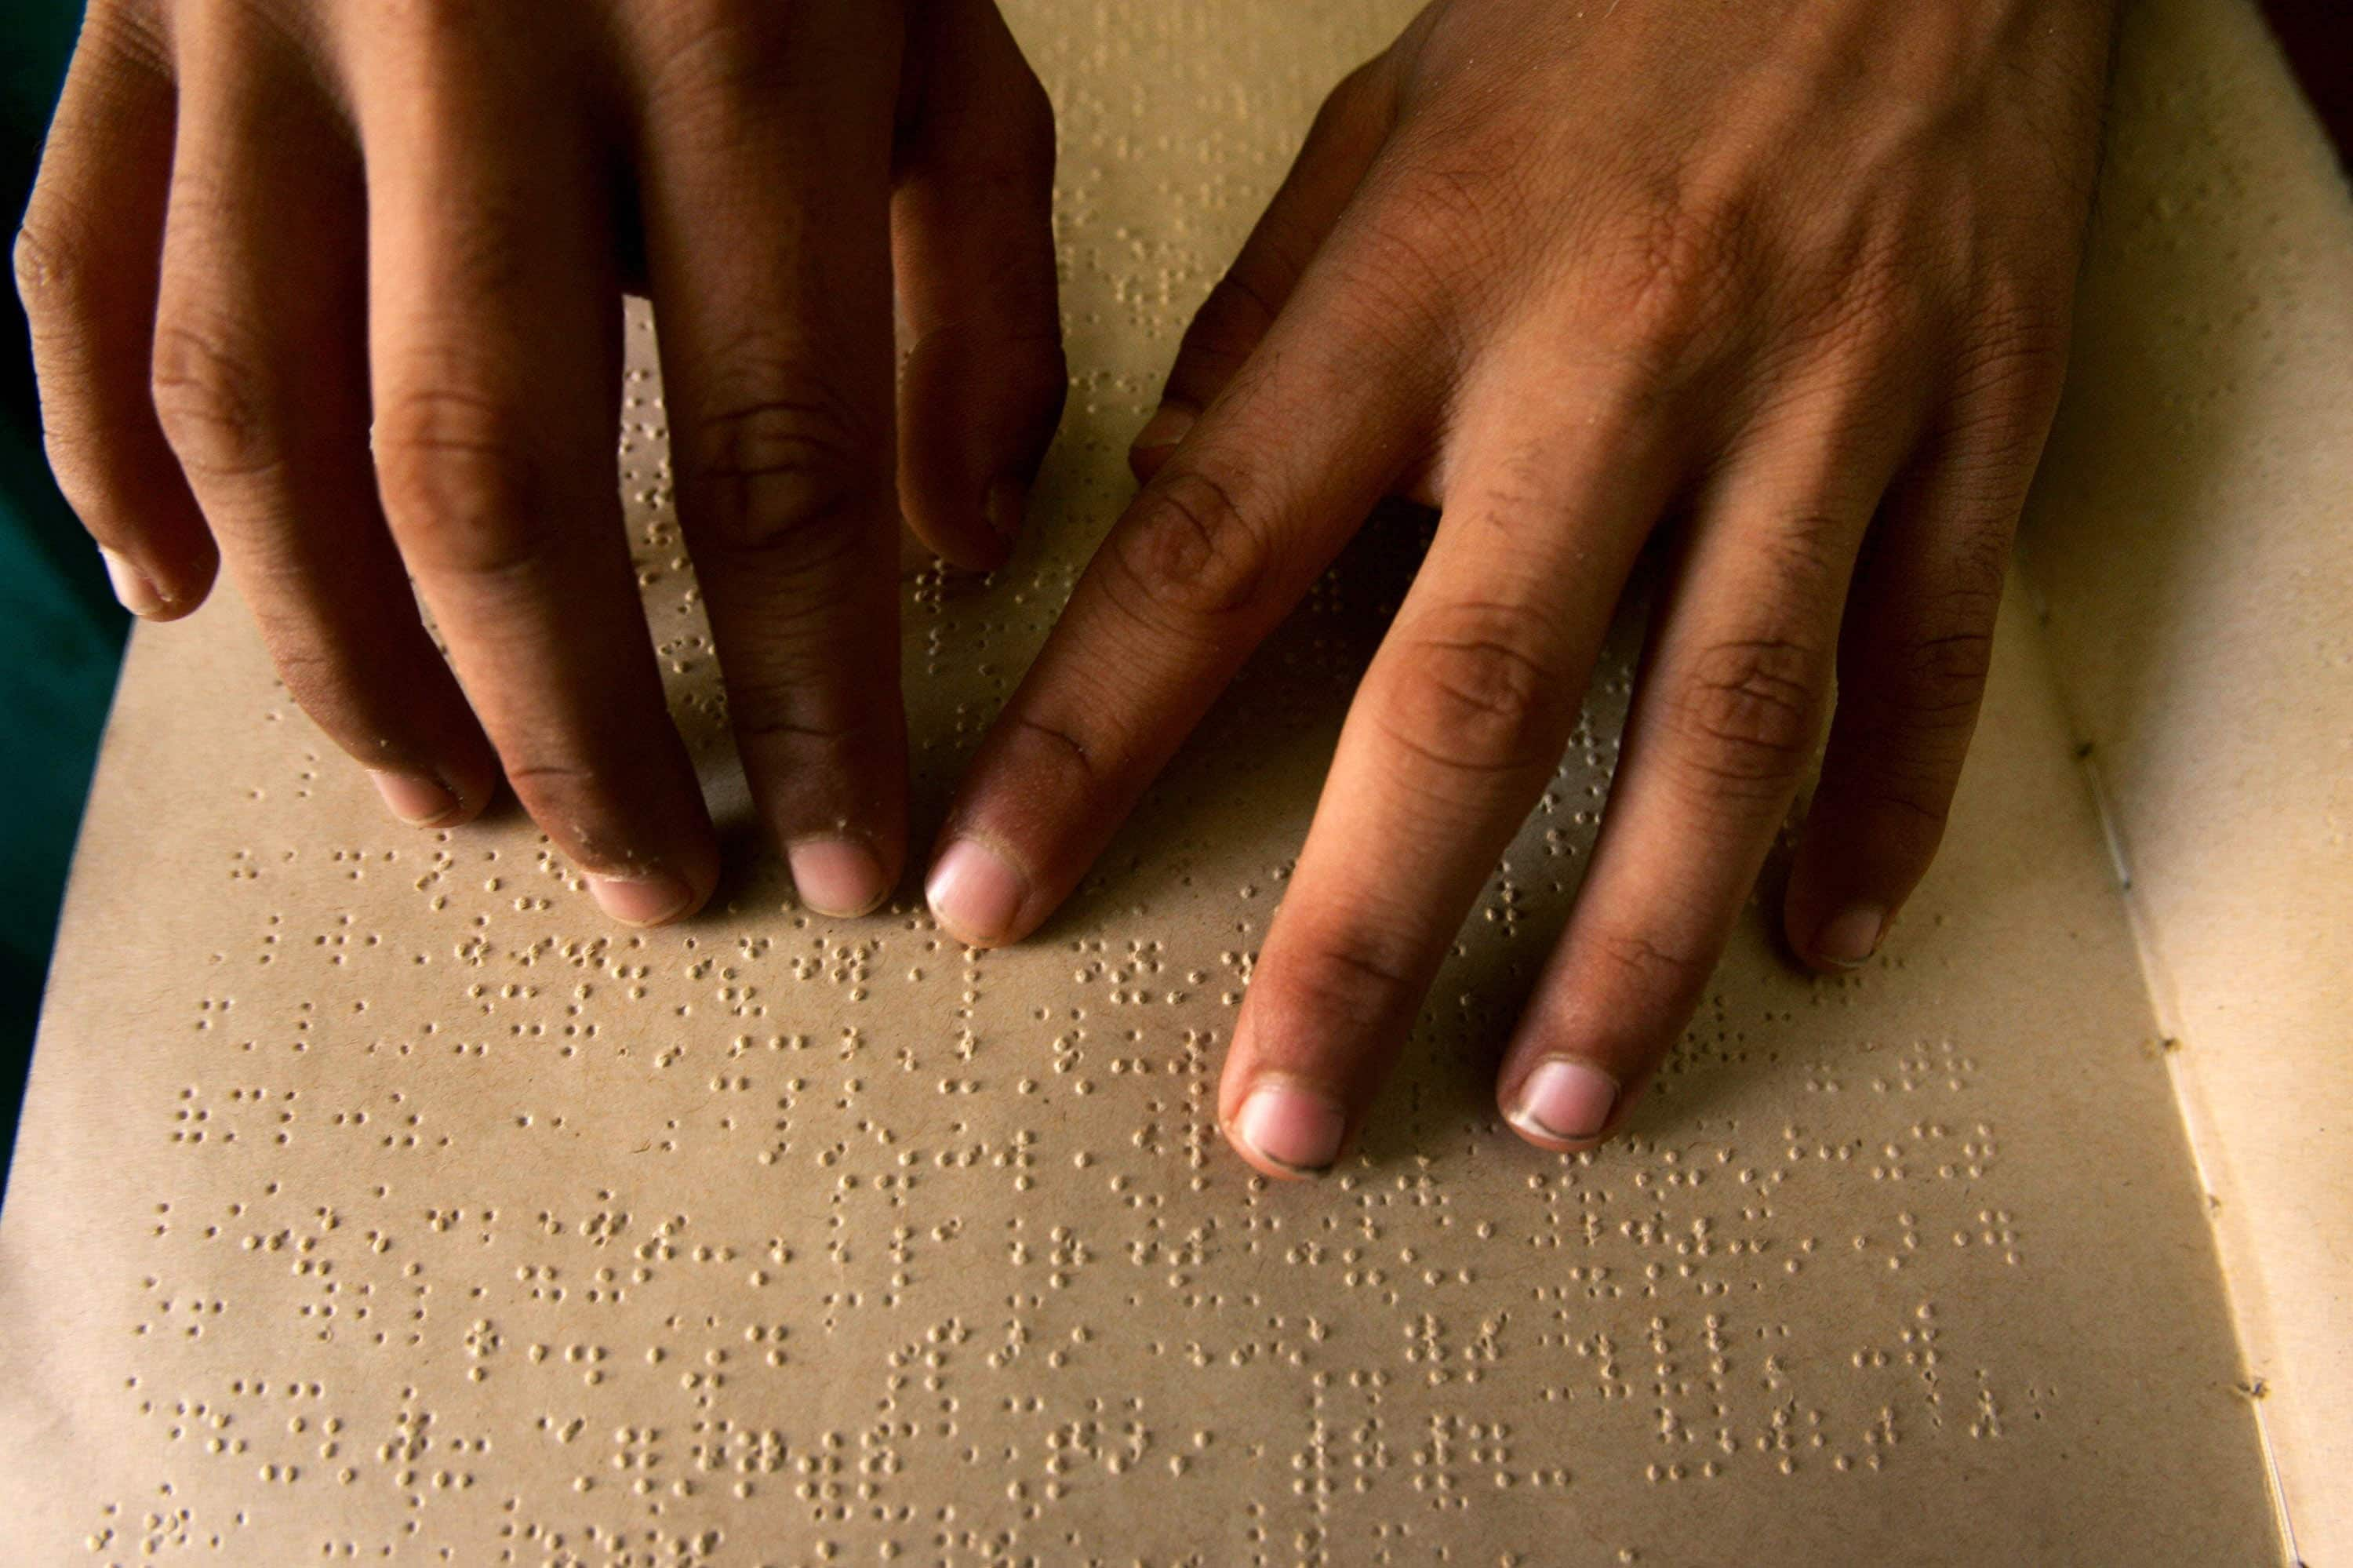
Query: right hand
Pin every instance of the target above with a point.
(332, 293)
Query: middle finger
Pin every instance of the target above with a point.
(495, 319)
(1208, 558)
(767, 166)
(1456, 728)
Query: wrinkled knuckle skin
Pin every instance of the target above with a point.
(1667, 283)
(214, 399)
(779, 473)
(1804, 557)
(461, 482)
(1067, 747)
(836, 725)
(1229, 324)
(1943, 677)
(1646, 963)
(1477, 692)
(1749, 711)
(1337, 983)
(1190, 554)
(1981, 571)
(573, 802)
(50, 274)
(710, 58)
(1914, 810)
(1436, 248)
(1641, 993)
(1462, 185)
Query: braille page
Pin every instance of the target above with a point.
(377, 1200)
(2194, 546)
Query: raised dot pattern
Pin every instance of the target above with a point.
(423, 1216)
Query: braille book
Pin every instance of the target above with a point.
(379, 1200)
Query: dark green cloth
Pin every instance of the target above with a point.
(60, 630)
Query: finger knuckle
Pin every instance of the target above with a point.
(1943, 676)
(779, 471)
(1442, 228)
(1662, 279)
(2012, 360)
(51, 275)
(1237, 313)
(1350, 975)
(1802, 556)
(1980, 565)
(712, 56)
(1861, 295)
(1189, 552)
(1065, 744)
(808, 715)
(1959, 659)
(461, 481)
(1644, 960)
(573, 798)
(1913, 804)
(1748, 709)
(1477, 689)
(214, 396)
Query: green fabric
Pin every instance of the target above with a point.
(60, 630)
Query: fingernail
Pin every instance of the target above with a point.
(642, 900)
(1164, 429)
(1850, 935)
(976, 893)
(836, 876)
(418, 801)
(1564, 1101)
(1292, 1129)
(132, 586)
(1007, 503)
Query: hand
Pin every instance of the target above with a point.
(1793, 278)
(262, 229)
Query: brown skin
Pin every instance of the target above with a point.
(262, 227)
(1791, 280)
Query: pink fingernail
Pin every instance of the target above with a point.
(1566, 1101)
(1292, 1127)
(836, 876)
(641, 900)
(976, 893)
(134, 587)
(418, 801)
(1850, 935)
(1164, 429)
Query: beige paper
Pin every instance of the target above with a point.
(2193, 544)
(377, 1198)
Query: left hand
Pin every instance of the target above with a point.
(1795, 276)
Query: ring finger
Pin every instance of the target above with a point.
(494, 317)
(260, 381)
(1727, 707)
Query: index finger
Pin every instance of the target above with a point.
(1455, 730)
(1204, 563)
